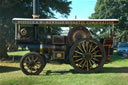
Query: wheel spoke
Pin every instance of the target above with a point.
(38, 63)
(94, 53)
(93, 62)
(26, 61)
(95, 59)
(83, 45)
(90, 63)
(79, 52)
(36, 59)
(87, 45)
(80, 48)
(94, 49)
(33, 58)
(78, 60)
(38, 66)
(29, 59)
(87, 66)
(97, 55)
(76, 56)
(29, 67)
(90, 48)
(84, 64)
(34, 69)
(81, 62)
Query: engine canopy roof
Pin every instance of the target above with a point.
(64, 21)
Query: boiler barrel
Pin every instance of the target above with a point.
(39, 47)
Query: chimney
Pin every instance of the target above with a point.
(36, 9)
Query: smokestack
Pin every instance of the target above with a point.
(36, 9)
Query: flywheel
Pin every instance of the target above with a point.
(78, 33)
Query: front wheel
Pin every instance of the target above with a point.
(87, 56)
(32, 63)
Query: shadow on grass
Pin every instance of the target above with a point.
(104, 70)
(114, 70)
(4, 69)
(49, 72)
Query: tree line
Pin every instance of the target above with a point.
(23, 9)
(104, 9)
(112, 9)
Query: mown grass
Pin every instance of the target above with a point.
(114, 73)
(19, 53)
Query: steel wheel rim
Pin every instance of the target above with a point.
(32, 64)
(80, 52)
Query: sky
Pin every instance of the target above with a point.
(81, 8)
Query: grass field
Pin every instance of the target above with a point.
(114, 73)
(19, 53)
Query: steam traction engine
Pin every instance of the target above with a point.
(78, 48)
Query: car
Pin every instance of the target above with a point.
(122, 48)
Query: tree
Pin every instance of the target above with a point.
(113, 9)
(23, 8)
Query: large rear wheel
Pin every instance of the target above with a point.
(32, 63)
(87, 56)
